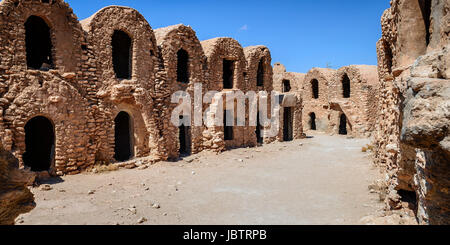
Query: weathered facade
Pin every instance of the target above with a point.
(412, 138)
(78, 93)
(316, 99)
(183, 63)
(289, 84)
(353, 100)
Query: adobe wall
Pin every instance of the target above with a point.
(292, 99)
(55, 94)
(170, 40)
(412, 128)
(216, 50)
(134, 95)
(319, 106)
(361, 105)
(254, 56)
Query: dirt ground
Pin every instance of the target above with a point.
(319, 180)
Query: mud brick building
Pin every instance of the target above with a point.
(288, 84)
(412, 137)
(98, 91)
(316, 101)
(353, 100)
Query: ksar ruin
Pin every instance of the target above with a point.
(76, 94)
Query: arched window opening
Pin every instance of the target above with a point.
(286, 86)
(228, 74)
(346, 86)
(315, 88)
(260, 74)
(182, 66)
(39, 143)
(123, 137)
(312, 121)
(425, 7)
(122, 48)
(343, 125)
(38, 44)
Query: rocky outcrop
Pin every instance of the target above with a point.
(412, 142)
(15, 198)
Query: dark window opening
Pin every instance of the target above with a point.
(346, 86)
(425, 7)
(260, 74)
(122, 54)
(312, 121)
(184, 138)
(123, 134)
(38, 44)
(315, 88)
(228, 74)
(258, 131)
(228, 129)
(39, 143)
(286, 86)
(409, 197)
(388, 54)
(288, 123)
(182, 66)
(343, 125)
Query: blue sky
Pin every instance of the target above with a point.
(301, 34)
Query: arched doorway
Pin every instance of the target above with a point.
(38, 44)
(343, 125)
(184, 136)
(39, 143)
(312, 121)
(122, 47)
(123, 137)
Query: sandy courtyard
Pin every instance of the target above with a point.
(320, 180)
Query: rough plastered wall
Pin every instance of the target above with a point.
(216, 50)
(319, 106)
(361, 107)
(412, 142)
(170, 41)
(136, 95)
(256, 57)
(55, 94)
(292, 99)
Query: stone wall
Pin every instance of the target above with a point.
(360, 104)
(259, 78)
(104, 86)
(412, 128)
(170, 41)
(316, 101)
(288, 85)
